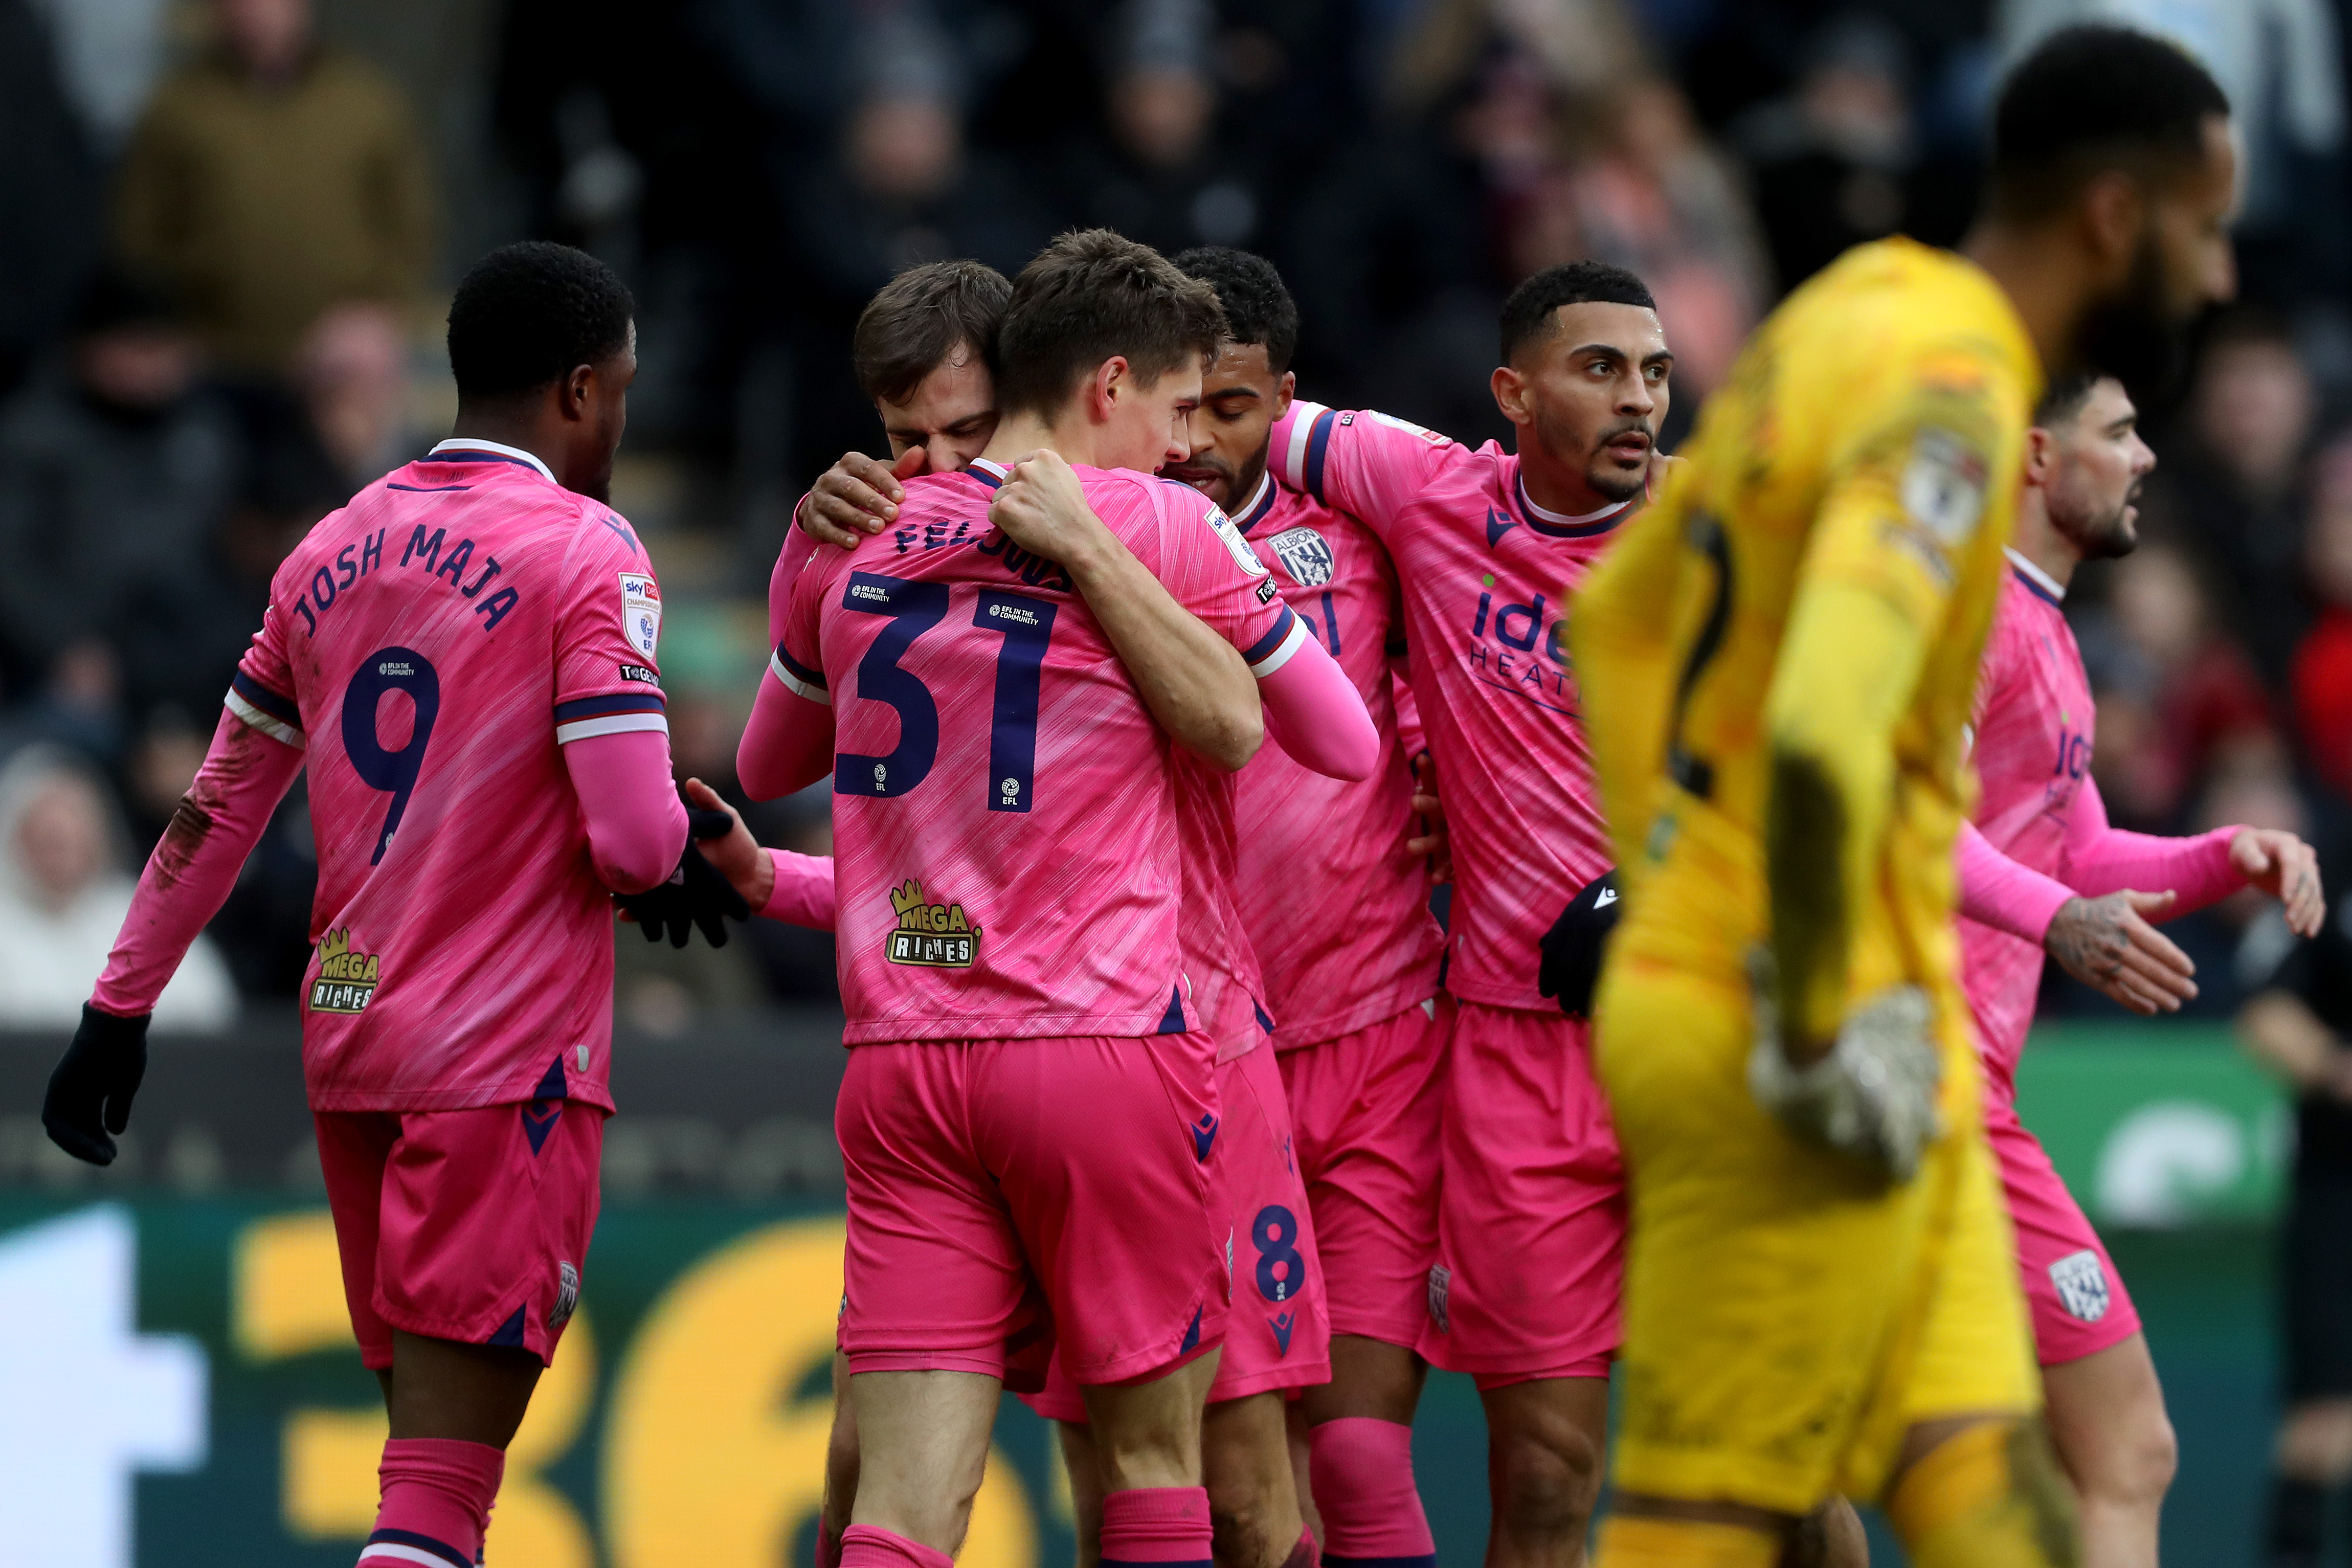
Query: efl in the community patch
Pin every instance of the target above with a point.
(641, 610)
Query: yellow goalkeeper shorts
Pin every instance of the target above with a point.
(1789, 1316)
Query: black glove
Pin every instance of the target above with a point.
(695, 894)
(89, 1094)
(1573, 948)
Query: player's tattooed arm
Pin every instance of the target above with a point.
(856, 496)
(1194, 682)
(2108, 944)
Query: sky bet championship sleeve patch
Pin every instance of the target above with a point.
(929, 936)
(1235, 545)
(641, 610)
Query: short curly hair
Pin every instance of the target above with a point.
(1258, 308)
(528, 313)
(1528, 311)
(1090, 296)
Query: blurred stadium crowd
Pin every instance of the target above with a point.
(230, 225)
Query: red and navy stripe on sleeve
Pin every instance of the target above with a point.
(610, 713)
(273, 713)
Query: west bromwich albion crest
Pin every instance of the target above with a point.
(2082, 1282)
(1304, 554)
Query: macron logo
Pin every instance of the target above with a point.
(1497, 525)
(1608, 897)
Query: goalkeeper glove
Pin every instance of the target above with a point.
(1874, 1096)
(89, 1093)
(1577, 941)
(695, 894)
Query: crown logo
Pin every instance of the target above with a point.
(930, 935)
(346, 978)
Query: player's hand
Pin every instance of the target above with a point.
(1573, 948)
(1872, 1096)
(1661, 472)
(2285, 868)
(1041, 508)
(738, 857)
(2108, 944)
(695, 894)
(1432, 842)
(857, 496)
(89, 1093)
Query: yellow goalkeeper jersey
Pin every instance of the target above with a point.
(1777, 661)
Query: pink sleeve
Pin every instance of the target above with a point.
(787, 745)
(1360, 462)
(244, 774)
(1315, 714)
(2101, 859)
(1998, 892)
(636, 824)
(804, 895)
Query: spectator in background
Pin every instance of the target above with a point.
(2299, 1025)
(1163, 176)
(63, 896)
(1649, 195)
(2322, 679)
(352, 372)
(49, 187)
(2179, 702)
(2230, 486)
(115, 468)
(272, 180)
(1829, 160)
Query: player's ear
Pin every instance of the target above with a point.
(1510, 390)
(571, 392)
(2040, 456)
(2115, 217)
(1113, 379)
(1283, 392)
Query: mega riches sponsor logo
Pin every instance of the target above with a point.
(346, 978)
(930, 935)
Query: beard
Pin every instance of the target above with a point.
(2133, 336)
(2106, 535)
(1601, 472)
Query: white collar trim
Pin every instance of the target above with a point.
(475, 444)
(1257, 496)
(2040, 579)
(1561, 519)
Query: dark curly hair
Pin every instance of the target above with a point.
(2092, 98)
(1259, 309)
(1088, 296)
(528, 313)
(1528, 313)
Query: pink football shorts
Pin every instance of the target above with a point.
(1366, 1107)
(470, 1226)
(2078, 1300)
(1532, 1210)
(1278, 1334)
(1006, 1193)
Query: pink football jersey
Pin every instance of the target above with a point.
(2033, 733)
(1485, 577)
(433, 645)
(1008, 841)
(1338, 914)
